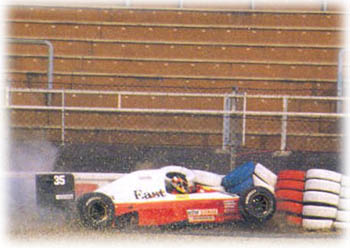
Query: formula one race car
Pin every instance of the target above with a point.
(164, 196)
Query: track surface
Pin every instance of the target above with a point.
(57, 232)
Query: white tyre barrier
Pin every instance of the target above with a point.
(345, 192)
(342, 225)
(319, 211)
(345, 181)
(316, 224)
(207, 178)
(323, 198)
(322, 185)
(344, 204)
(265, 174)
(343, 216)
(324, 174)
(259, 182)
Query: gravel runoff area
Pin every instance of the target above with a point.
(56, 230)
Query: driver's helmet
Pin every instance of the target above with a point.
(179, 184)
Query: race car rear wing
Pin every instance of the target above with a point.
(57, 189)
(54, 189)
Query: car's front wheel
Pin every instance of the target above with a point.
(257, 205)
(96, 210)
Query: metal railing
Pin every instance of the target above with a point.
(285, 114)
(50, 57)
(182, 4)
(239, 106)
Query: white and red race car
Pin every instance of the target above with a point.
(164, 196)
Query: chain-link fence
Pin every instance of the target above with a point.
(122, 131)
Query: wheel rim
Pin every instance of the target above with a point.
(260, 205)
(97, 211)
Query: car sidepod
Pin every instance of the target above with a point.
(213, 208)
(192, 208)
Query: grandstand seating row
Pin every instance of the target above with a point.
(306, 18)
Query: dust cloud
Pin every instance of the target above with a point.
(34, 156)
(25, 159)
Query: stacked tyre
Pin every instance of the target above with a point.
(264, 177)
(289, 194)
(321, 199)
(342, 220)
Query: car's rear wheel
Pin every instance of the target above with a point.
(96, 210)
(257, 205)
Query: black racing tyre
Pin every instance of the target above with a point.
(96, 210)
(257, 205)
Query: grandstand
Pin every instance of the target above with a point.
(207, 50)
(264, 51)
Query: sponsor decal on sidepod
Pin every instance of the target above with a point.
(140, 195)
(199, 215)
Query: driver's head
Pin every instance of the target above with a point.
(179, 184)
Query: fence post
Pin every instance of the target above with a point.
(244, 118)
(324, 5)
(340, 78)
(63, 118)
(50, 57)
(119, 105)
(7, 97)
(181, 4)
(233, 131)
(252, 4)
(230, 138)
(284, 124)
(226, 132)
